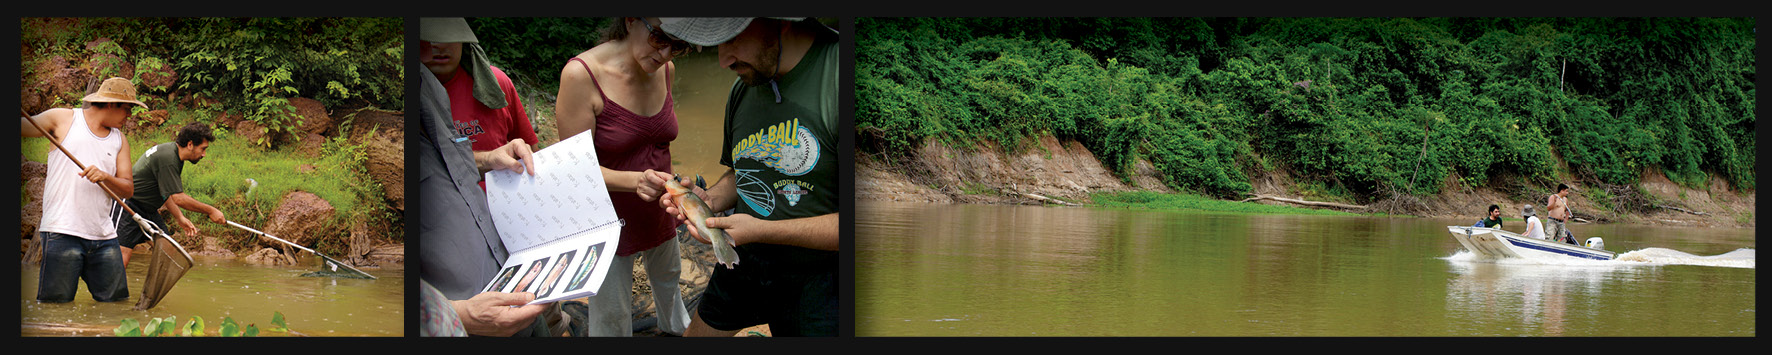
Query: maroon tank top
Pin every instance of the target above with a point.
(627, 141)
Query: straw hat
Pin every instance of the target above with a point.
(115, 90)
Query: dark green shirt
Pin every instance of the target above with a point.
(784, 155)
(158, 175)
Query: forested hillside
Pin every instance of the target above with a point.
(1369, 107)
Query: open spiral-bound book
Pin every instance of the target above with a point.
(559, 224)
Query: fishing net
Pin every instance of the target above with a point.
(329, 269)
(168, 263)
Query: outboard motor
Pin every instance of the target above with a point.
(1596, 243)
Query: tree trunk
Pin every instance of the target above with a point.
(1303, 202)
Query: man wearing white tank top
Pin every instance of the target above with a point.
(79, 240)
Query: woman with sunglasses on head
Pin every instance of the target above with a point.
(620, 93)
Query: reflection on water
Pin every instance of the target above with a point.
(217, 288)
(969, 270)
(1533, 293)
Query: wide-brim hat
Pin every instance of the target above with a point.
(446, 30)
(709, 31)
(1527, 212)
(114, 90)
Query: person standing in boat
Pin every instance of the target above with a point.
(1534, 227)
(1557, 207)
(1494, 220)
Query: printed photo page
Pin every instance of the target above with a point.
(559, 224)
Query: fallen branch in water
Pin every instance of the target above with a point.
(1011, 191)
(1044, 199)
(1681, 210)
(1303, 202)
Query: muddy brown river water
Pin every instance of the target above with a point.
(992, 270)
(250, 294)
(700, 94)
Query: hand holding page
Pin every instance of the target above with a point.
(558, 221)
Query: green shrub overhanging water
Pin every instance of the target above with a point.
(1370, 105)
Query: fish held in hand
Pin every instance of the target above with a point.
(698, 213)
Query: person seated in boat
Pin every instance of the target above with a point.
(1494, 220)
(1534, 227)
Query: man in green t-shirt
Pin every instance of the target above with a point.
(781, 142)
(159, 183)
(1494, 219)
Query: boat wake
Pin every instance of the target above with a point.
(1740, 258)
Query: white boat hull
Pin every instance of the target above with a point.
(1495, 244)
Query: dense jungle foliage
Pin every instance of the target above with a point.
(1369, 106)
(251, 65)
(533, 50)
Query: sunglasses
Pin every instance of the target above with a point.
(661, 40)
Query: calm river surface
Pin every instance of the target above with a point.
(985, 270)
(251, 294)
(700, 93)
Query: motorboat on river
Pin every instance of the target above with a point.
(1496, 243)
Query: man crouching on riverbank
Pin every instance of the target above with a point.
(159, 183)
(79, 242)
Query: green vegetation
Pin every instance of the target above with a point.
(1369, 107)
(1191, 202)
(251, 65)
(532, 50)
(164, 327)
(339, 176)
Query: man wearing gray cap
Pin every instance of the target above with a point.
(460, 250)
(482, 100)
(781, 142)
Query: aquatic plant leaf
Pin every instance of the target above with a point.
(281, 325)
(128, 327)
(153, 327)
(166, 326)
(194, 327)
(229, 328)
(251, 330)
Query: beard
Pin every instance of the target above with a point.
(769, 57)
